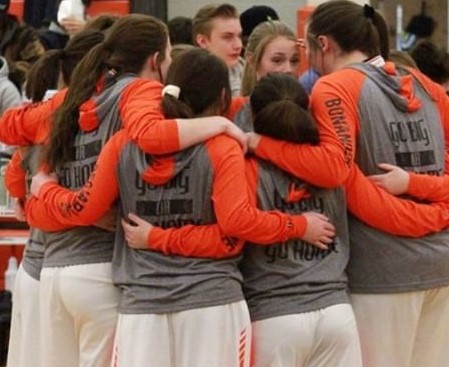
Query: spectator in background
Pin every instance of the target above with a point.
(72, 15)
(217, 29)
(402, 58)
(34, 11)
(67, 20)
(21, 51)
(252, 17)
(9, 95)
(180, 30)
(432, 61)
(8, 24)
(272, 47)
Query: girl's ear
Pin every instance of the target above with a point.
(324, 43)
(153, 62)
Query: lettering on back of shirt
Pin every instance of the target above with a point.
(176, 223)
(75, 177)
(312, 203)
(88, 150)
(297, 250)
(76, 174)
(175, 209)
(337, 115)
(180, 182)
(81, 176)
(164, 207)
(415, 131)
(406, 131)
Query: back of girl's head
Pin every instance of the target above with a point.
(21, 50)
(55, 64)
(204, 85)
(180, 48)
(279, 105)
(258, 40)
(24, 45)
(101, 22)
(432, 61)
(352, 26)
(402, 58)
(128, 44)
(180, 30)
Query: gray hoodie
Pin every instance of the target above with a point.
(406, 131)
(9, 95)
(152, 282)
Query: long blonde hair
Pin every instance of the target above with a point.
(258, 40)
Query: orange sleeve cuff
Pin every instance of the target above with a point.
(155, 238)
(299, 225)
(264, 147)
(45, 188)
(415, 184)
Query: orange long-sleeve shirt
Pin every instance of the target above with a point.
(29, 124)
(142, 118)
(15, 176)
(432, 188)
(139, 108)
(58, 208)
(390, 214)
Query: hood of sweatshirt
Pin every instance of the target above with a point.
(397, 83)
(103, 105)
(159, 169)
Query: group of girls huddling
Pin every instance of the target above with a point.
(156, 241)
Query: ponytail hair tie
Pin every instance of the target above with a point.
(172, 90)
(368, 11)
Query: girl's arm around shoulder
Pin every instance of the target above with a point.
(140, 109)
(422, 186)
(15, 176)
(383, 211)
(30, 123)
(143, 118)
(206, 241)
(326, 165)
(236, 214)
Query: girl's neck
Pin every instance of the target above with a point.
(210, 111)
(348, 58)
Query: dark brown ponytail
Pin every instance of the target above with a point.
(129, 43)
(55, 64)
(279, 105)
(352, 26)
(204, 85)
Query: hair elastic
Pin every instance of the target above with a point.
(368, 11)
(172, 90)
